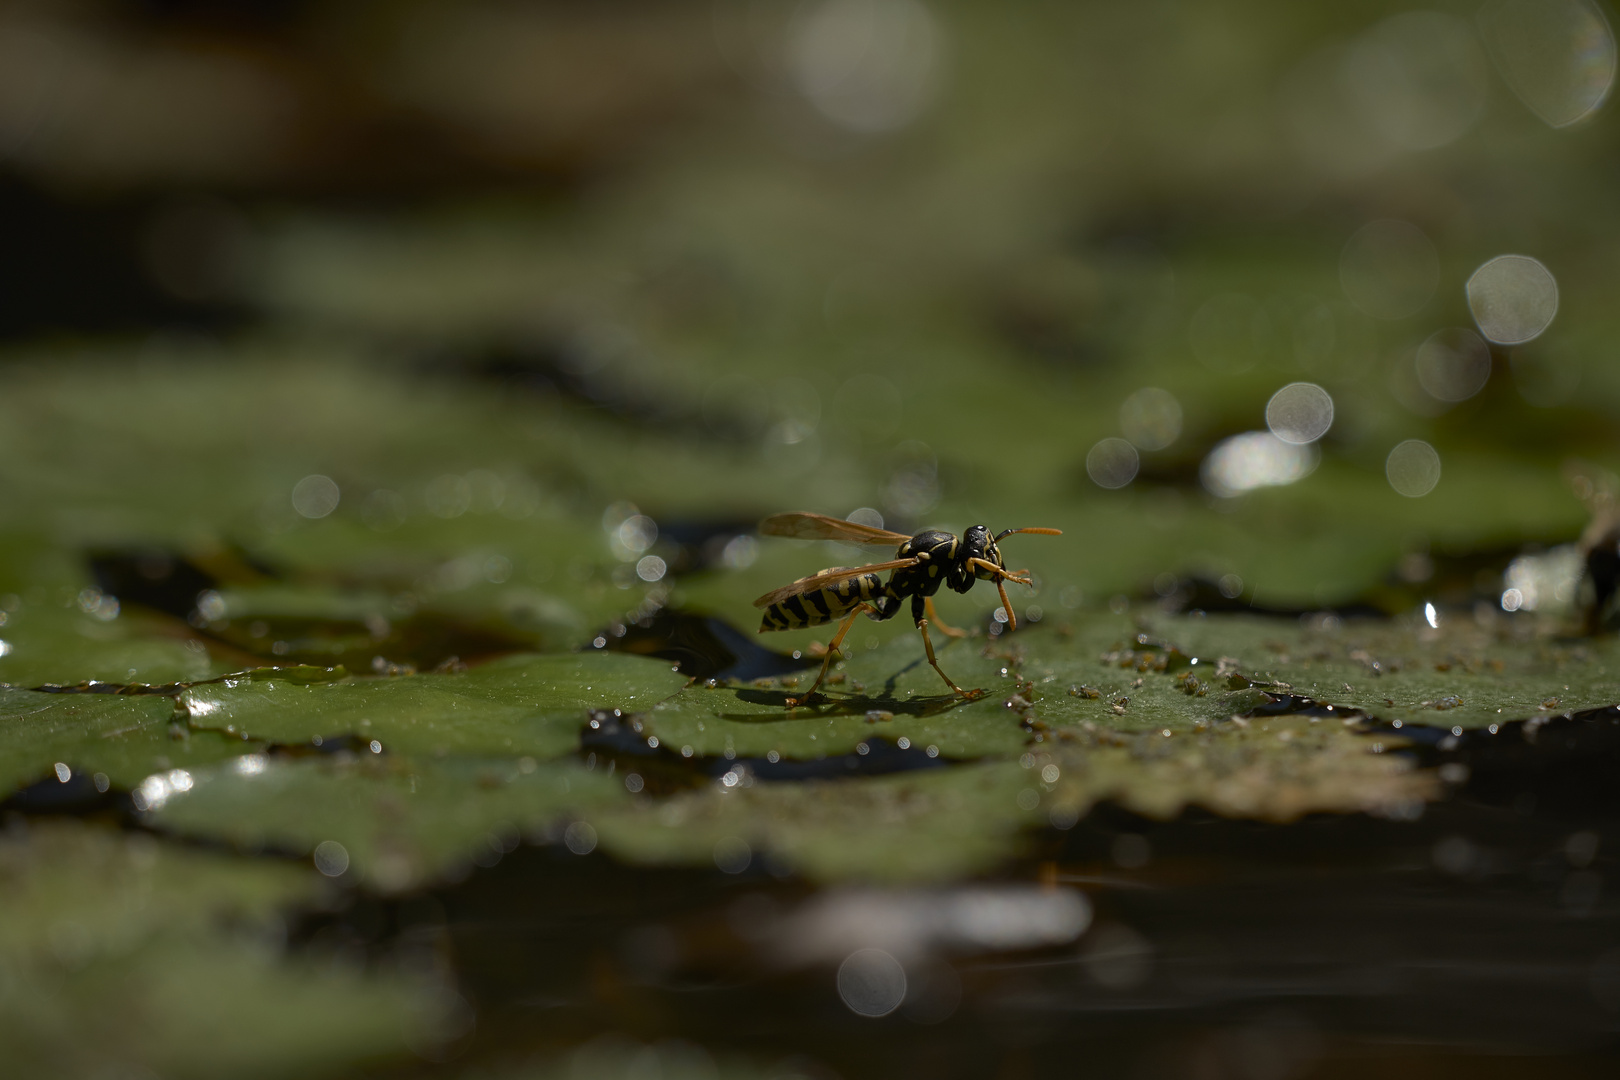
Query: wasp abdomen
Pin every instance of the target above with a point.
(822, 605)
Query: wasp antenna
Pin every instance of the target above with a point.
(1044, 532)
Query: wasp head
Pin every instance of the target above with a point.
(978, 544)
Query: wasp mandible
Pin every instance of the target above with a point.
(921, 565)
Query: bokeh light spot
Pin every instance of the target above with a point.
(1389, 269)
(1413, 468)
(1112, 463)
(1558, 56)
(871, 982)
(869, 66)
(1453, 365)
(1256, 459)
(1513, 298)
(1151, 418)
(580, 838)
(315, 496)
(1418, 78)
(331, 858)
(1300, 413)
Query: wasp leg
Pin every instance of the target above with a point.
(1020, 576)
(1002, 577)
(1012, 620)
(832, 651)
(939, 623)
(928, 647)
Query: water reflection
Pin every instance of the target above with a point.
(910, 924)
(1543, 581)
(1116, 957)
(1253, 460)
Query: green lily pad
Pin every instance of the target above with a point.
(120, 953)
(125, 738)
(522, 705)
(399, 822)
(56, 644)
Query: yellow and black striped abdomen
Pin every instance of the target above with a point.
(822, 605)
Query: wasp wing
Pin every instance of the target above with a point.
(804, 525)
(829, 577)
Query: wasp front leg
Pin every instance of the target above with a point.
(1001, 577)
(918, 607)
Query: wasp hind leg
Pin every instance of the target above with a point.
(832, 651)
(939, 623)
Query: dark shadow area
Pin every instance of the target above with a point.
(76, 267)
(186, 587)
(705, 647)
(840, 704)
(610, 736)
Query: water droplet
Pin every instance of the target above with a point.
(331, 858)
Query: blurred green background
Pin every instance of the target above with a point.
(422, 333)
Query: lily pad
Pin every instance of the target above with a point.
(124, 738)
(121, 953)
(522, 706)
(398, 823)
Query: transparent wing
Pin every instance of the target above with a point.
(803, 525)
(829, 577)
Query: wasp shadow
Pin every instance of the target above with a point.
(843, 705)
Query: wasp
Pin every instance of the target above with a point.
(922, 563)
